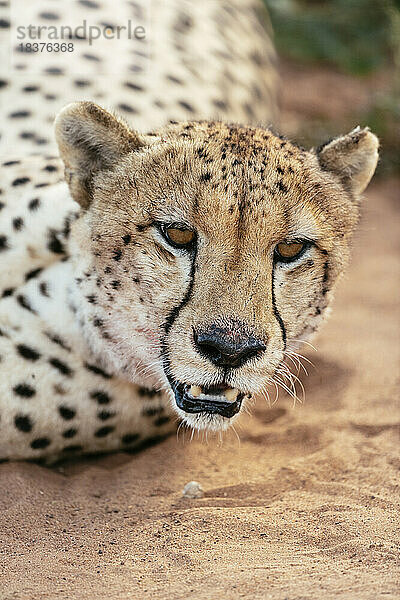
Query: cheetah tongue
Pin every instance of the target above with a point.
(214, 394)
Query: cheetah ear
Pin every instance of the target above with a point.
(91, 140)
(352, 157)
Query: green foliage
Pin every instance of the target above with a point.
(356, 36)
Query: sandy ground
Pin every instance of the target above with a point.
(304, 506)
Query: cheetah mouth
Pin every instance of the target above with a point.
(218, 399)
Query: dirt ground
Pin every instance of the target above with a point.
(304, 506)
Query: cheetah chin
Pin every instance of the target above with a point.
(213, 400)
(211, 408)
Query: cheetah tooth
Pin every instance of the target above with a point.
(195, 391)
(231, 394)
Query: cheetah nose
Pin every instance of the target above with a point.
(228, 347)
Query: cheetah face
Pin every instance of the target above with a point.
(206, 252)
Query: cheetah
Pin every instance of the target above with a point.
(162, 270)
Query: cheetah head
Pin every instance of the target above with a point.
(206, 252)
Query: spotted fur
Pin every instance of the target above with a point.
(99, 313)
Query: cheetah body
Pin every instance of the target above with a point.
(56, 397)
(109, 327)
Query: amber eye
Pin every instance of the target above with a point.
(179, 236)
(288, 251)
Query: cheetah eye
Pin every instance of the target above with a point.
(289, 251)
(178, 235)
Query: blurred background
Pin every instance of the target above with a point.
(340, 67)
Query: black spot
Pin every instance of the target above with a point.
(117, 254)
(53, 71)
(186, 106)
(34, 204)
(20, 114)
(162, 421)
(98, 322)
(23, 423)
(59, 389)
(49, 168)
(66, 412)
(8, 292)
(142, 391)
(130, 438)
(153, 411)
(174, 79)
(115, 284)
(282, 187)
(30, 88)
(61, 366)
(26, 135)
(81, 83)
(127, 108)
(24, 302)
(9, 163)
(54, 244)
(70, 433)
(133, 86)
(3, 243)
(126, 238)
(92, 57)
(103, 415)
(205, 177)
(40, 443)
(32, 274)
(28, 353)
(221, 104)
(91, 299)
(103, 431)
(24, 390)
(97, 371)
(101, 397)
(73, 448)
(44, 289)
(49, 16)
(4, 24)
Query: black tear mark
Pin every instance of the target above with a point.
(276, 312)
(171, 318)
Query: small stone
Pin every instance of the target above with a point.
(193, 489)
